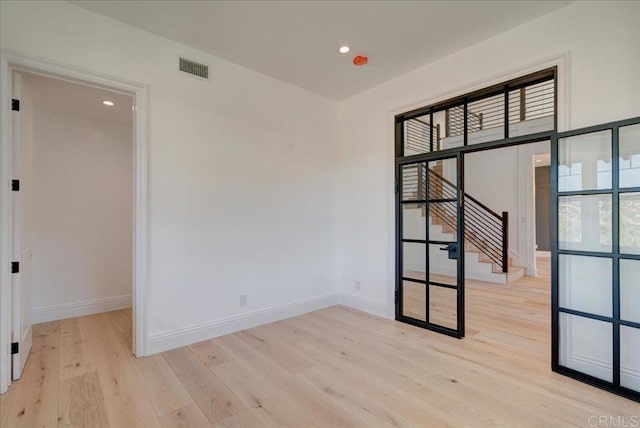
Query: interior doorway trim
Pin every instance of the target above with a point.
(10, 61)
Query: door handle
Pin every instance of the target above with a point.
(452, 248)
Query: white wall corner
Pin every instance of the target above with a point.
(198, 332)
(78, 309)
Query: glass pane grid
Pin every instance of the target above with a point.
(598, 320)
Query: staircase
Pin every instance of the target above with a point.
(486, 232)
(486, 235)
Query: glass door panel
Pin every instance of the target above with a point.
(596, 256)
(430, 265)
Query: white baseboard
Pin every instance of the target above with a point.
(196, 333)
(365, 305)
(78, 309)
(590, 365)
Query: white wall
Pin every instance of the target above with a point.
(82, 215)
(242, 175)
(601, 41)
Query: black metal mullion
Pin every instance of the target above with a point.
(586, 253)
(399, 235)
(555, 98)
(460, 229)
(630, 324)
(615, 228)
(441, 200)
(586, 192)
(433, 327)
(399, 138)
(413, 241)
(443, 285)
(428, 238)
(555, 315)
(430, 131)
(465, 126)
(589, 315)
(416, 280)
(506, 111)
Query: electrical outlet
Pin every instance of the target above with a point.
(357, 285)
(243, 300)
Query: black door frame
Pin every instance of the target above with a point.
(498, 144)
(399, 300)
(615, 256)
(498, 90)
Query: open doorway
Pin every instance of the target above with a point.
(511, 310)
(16, 329)
(73, 213)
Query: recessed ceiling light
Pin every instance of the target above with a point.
(108, 103)
(538, 160)
(344, 49)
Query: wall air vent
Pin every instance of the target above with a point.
(194, 68)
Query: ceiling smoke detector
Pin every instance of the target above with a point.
(360, 60)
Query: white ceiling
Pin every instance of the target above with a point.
(297, 41)
(74, 99)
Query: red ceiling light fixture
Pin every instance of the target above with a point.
(360, 60)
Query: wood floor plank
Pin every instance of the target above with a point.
(212, 396)
(284, 385)
(76, 357)
(187, 417)
(164, 389)
(209, 353)
(80, 403)
(35, 403)
(124, 326)
(6, 400)
(290, 361)
(125, 399)
(46, 336)
(45, 328)
(245, 419)
(272, 406)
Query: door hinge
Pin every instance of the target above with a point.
(15, 348)
(15, 267)
(15, 104)
(15, 185)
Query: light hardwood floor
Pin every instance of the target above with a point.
(334, 367)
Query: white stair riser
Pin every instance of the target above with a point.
(414, 256)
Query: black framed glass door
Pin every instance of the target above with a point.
(596, 256)
(430, 274)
